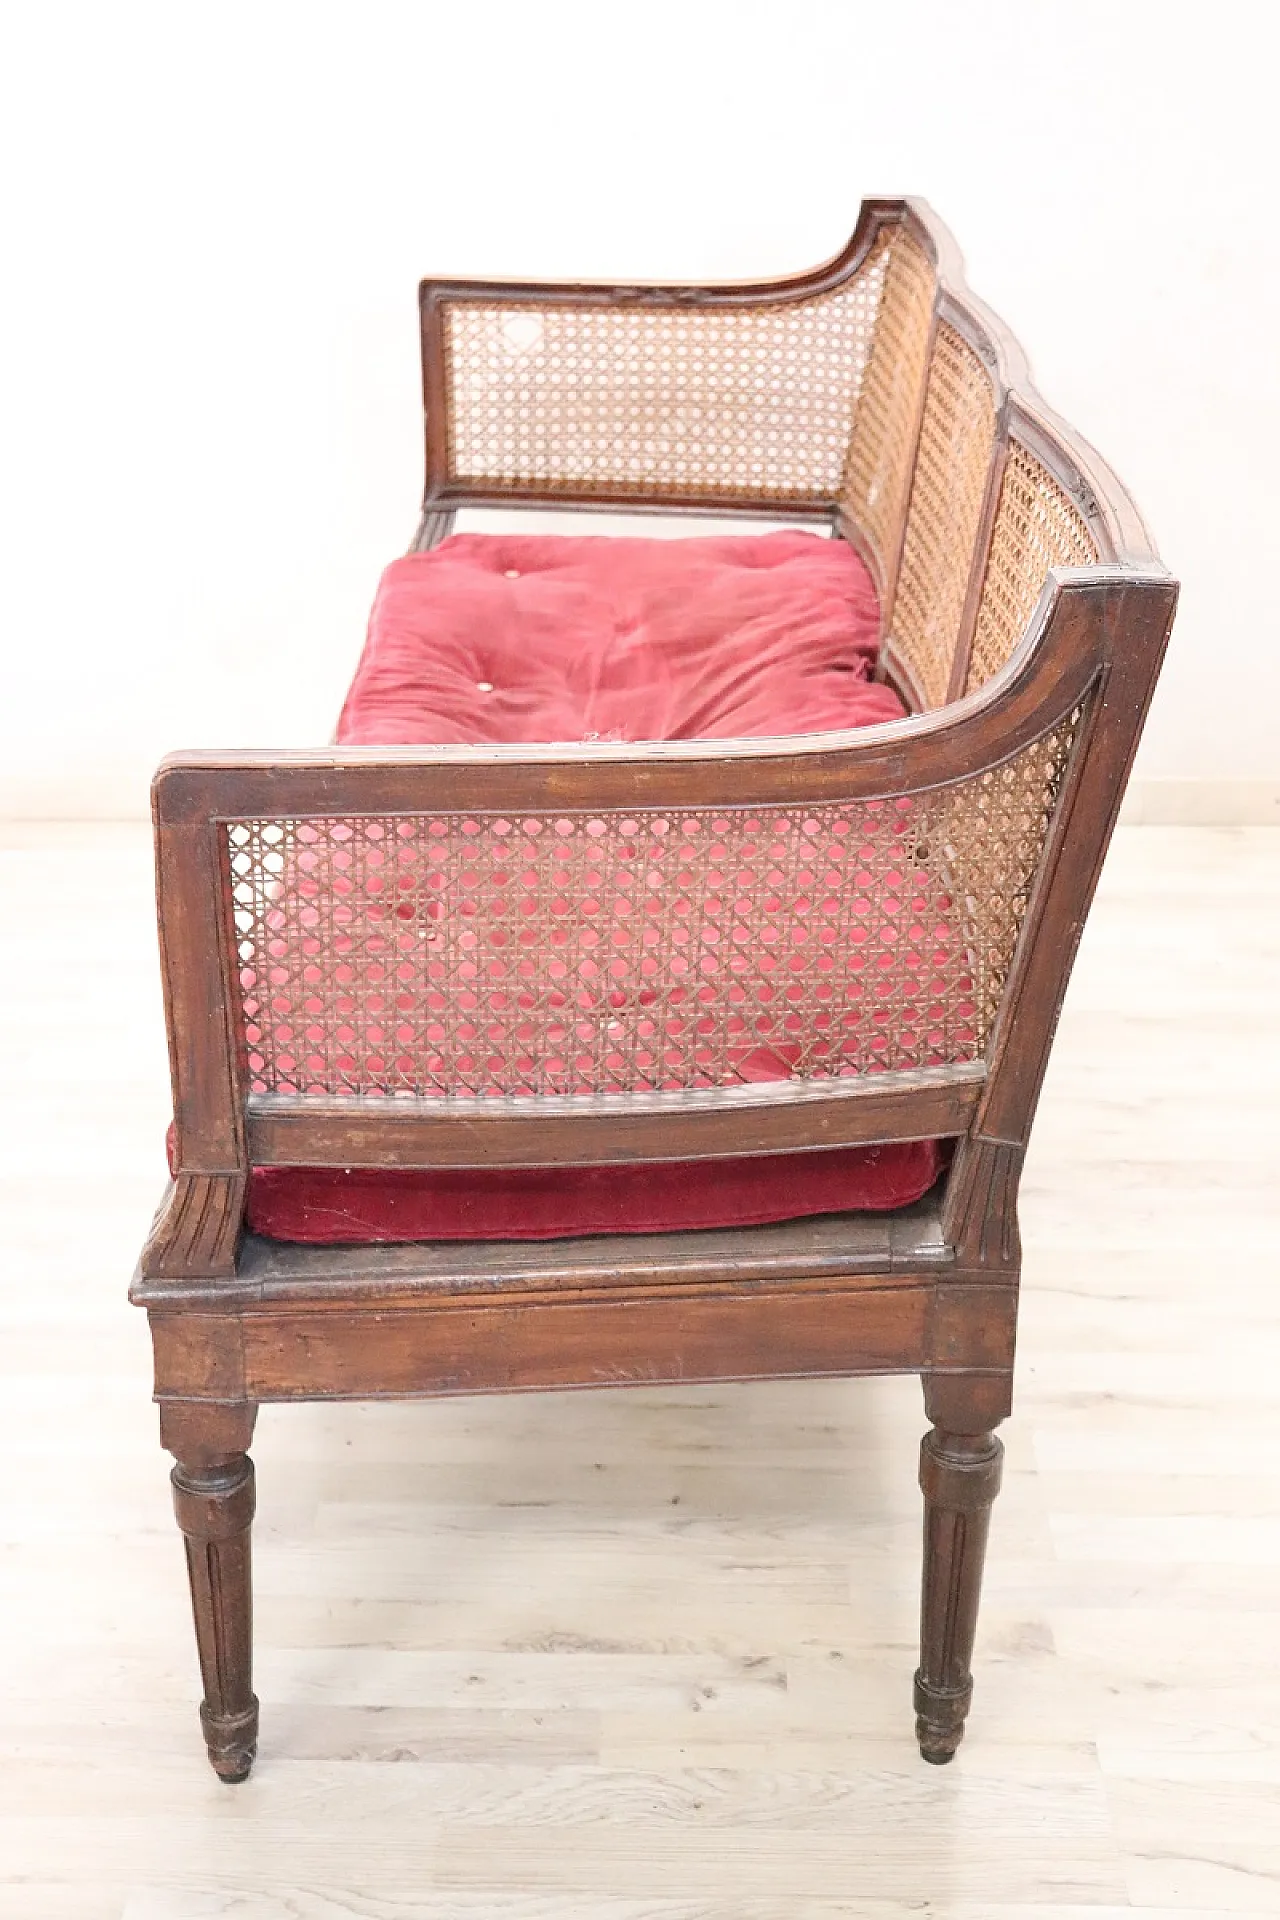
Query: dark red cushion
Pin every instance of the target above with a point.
(534, 638)
(328, 1206)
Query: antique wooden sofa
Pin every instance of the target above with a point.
(521, 961)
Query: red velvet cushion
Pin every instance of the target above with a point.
(541, 638)
(327, 1206)
(531, 638)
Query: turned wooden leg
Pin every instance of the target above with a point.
(959, 1477)
(213, 1497)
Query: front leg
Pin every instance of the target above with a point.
(213, 1498)
(960, 1466)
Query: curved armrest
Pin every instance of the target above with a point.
(1060, 655)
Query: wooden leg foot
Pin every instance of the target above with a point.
(232, 1742)
(960, 1477)
(213, 1498)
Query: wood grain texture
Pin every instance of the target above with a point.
(878, 1249)
(604, 1129)
(590, 1342)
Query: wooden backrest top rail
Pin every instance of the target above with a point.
(1112, 515)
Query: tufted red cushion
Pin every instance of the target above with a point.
(530, 638)
(536, 638)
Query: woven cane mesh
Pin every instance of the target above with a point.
(490, 954)
(878, 473)
(747, 401)
(956, 439)
(1037, 527)
(996, 830)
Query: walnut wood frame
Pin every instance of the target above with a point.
(237, 1321)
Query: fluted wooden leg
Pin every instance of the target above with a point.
(960, 1477)
(213, 1498)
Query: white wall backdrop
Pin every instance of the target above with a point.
(217, 217)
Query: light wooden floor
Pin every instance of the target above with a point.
(647, 1655)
